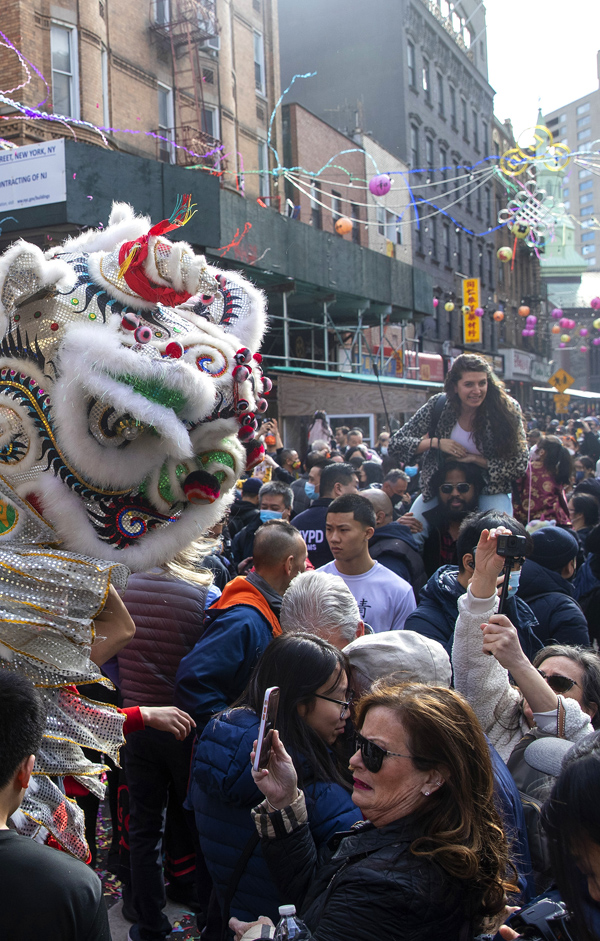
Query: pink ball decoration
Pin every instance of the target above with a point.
(556, 313)
(596, 341)
(583, 332)
(595, 303)
(562, 345)
(532, 320)
(380, 185)
(583, 349)
(571, 324)
(527, 332)
(479, 311)
(564, 323)
(436, 301)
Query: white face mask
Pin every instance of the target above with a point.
(384, 449)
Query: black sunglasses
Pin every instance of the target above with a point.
(372, 754)
(558, 683)
(448, 488)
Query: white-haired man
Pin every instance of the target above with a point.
(320, 603)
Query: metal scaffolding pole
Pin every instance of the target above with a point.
(286, 331)
(325, 335)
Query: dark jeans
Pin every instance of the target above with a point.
(157, 768)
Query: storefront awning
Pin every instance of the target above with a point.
(398, 382)
(579, 393)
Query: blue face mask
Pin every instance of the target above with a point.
(269, 515)
(411, 471)
(513, 583)
(310, 491)
(579, 475)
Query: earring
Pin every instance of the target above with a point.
(426, 793)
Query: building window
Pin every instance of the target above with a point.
(105, 96)
(440, 91)
(478, 203)
(162, 13)
(586, 198)
(588, 237)
(65, 77)
(456, 193)
(434, 242)
(336, 205)
(591, 262)
(263, 169)
(566, 192)
(444, 168)
(468, 201)
(412, 70)
(446, 243)
(584, 135)
(470, 258)
(488, 207)
(486, 139)
(414, 147)
(426, 81)
(453, 113)
(420, 239)
(459, 254)
(166, 124)
(588, 249)
(387, 225)
(584, 173)
(582, 109)
(316, 210)
(490, 269)
(584, 186)
(429, 154)
(583, 122)
(481, 266)
(210, 121)
(259, 63)
(465, 123)
(208, 76)
(355, 214)
(475, 131)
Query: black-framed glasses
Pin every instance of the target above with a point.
(372, 754)
(345, 704)
(462, 488)
(558, 682)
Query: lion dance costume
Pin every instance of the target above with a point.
(129, 384)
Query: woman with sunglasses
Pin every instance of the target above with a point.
(313, 678)
(430, 859)
(558, 693)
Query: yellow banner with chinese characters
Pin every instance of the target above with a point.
(471, 323)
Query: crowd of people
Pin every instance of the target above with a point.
(436, 759)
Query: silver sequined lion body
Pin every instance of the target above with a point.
(129, 383)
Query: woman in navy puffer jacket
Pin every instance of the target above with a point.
(313, 679)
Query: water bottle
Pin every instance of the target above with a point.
(290, 927)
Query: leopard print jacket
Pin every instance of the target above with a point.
(500, 473)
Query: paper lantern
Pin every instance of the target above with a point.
(571, 325)
(449, 306)
(583, 332)
(562, 345)
(597, 323)
(466, 309)
(498, 316)
(596, 341)
(583, 349)
(556, 313)
(524, 312)
(436, 301)
(566, 338)
(380, 185)
(343, 225)
(564, 323)
(595, 303)
(555, 328)
(479, 311)
(504, 254)
(532, 319)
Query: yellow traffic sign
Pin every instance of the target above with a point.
(561, 403)
(561, 380)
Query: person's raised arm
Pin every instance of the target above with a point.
(500, 639)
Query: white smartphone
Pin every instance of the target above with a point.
(265, 729)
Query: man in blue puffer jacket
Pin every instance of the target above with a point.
(222, 793)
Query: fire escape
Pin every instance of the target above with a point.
(184, 26)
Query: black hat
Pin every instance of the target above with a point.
(553, 548)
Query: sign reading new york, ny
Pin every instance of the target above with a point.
(471, 323)
(33, 175)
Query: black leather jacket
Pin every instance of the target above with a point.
(366, 884)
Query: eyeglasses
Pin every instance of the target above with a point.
(372, 754)
(448, 488)
(559, 683)
(345, 705)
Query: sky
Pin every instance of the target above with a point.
(540, 52)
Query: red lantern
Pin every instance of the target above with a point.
(499, 316)
(524, 311)
(343, 225)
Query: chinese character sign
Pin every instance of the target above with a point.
(471, 323)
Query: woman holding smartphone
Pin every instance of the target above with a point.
(312, 677)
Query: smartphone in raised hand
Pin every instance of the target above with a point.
(265, 729)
